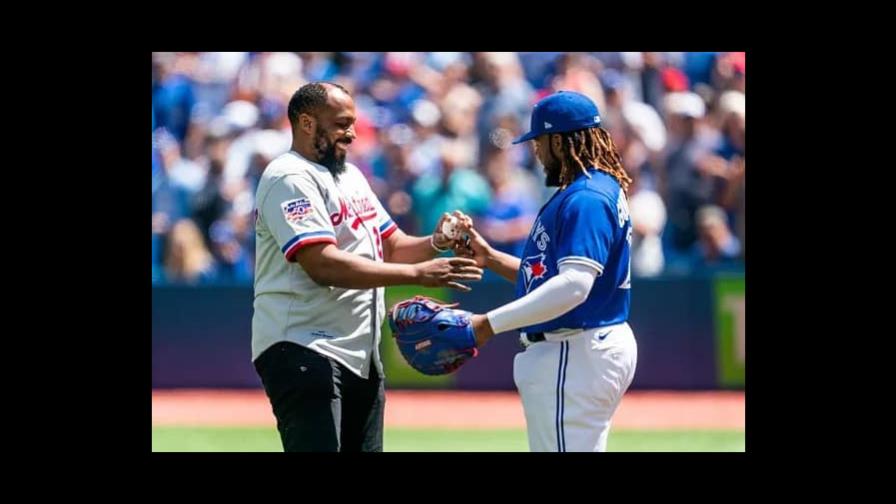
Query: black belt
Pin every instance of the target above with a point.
(531, 338)
(535, 337)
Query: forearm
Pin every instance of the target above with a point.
(336, 268)
(554, 298)
(410, 250)
(503, 264)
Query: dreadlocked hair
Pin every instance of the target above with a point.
(591, 147)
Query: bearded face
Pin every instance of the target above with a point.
(331, 153)
(550, 162)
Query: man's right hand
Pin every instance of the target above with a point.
(505, 265)
(476, 247)
(447, 272)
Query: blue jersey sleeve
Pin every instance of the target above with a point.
(585, 230)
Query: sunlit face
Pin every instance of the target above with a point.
(334, 130)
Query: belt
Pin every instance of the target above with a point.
(527, 339)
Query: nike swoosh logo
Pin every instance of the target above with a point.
(603, 336)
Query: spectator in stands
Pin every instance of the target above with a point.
(508, 219)
(648, 212)
(452, 186)
(717, 246)
(686, 185)
(188, 260)
(224, 118)
(172, 93)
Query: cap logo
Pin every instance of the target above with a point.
(548, 125)
(597, 118)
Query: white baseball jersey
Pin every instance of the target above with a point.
(299, 204)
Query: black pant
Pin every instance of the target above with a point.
(319, 404)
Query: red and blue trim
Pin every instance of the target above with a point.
(388, 228)
(305, 239)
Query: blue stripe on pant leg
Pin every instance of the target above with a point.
(565, 350)
(557, 400)
(561, 380)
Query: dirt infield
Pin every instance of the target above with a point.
(459, 410)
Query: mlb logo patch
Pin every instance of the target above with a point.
(296, 210)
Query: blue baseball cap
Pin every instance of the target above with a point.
(561, 112)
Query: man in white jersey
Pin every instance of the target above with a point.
(325, 248)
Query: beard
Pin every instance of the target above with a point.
(552, 167)
(328, 156)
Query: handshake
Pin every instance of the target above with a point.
(454, 232)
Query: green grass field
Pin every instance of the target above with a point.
(252, 439)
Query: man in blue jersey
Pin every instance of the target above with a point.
(573, 283)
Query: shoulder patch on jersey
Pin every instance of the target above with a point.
(296, 210)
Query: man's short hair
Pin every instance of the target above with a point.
(309, 99)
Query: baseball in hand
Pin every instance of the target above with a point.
(449, 228)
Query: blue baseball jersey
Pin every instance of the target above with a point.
(586, 223)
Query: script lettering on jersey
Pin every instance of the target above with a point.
(360, 203)
(539, 236)
(622, 208)
(341, 215)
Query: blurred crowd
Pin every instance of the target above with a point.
(434, 134)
